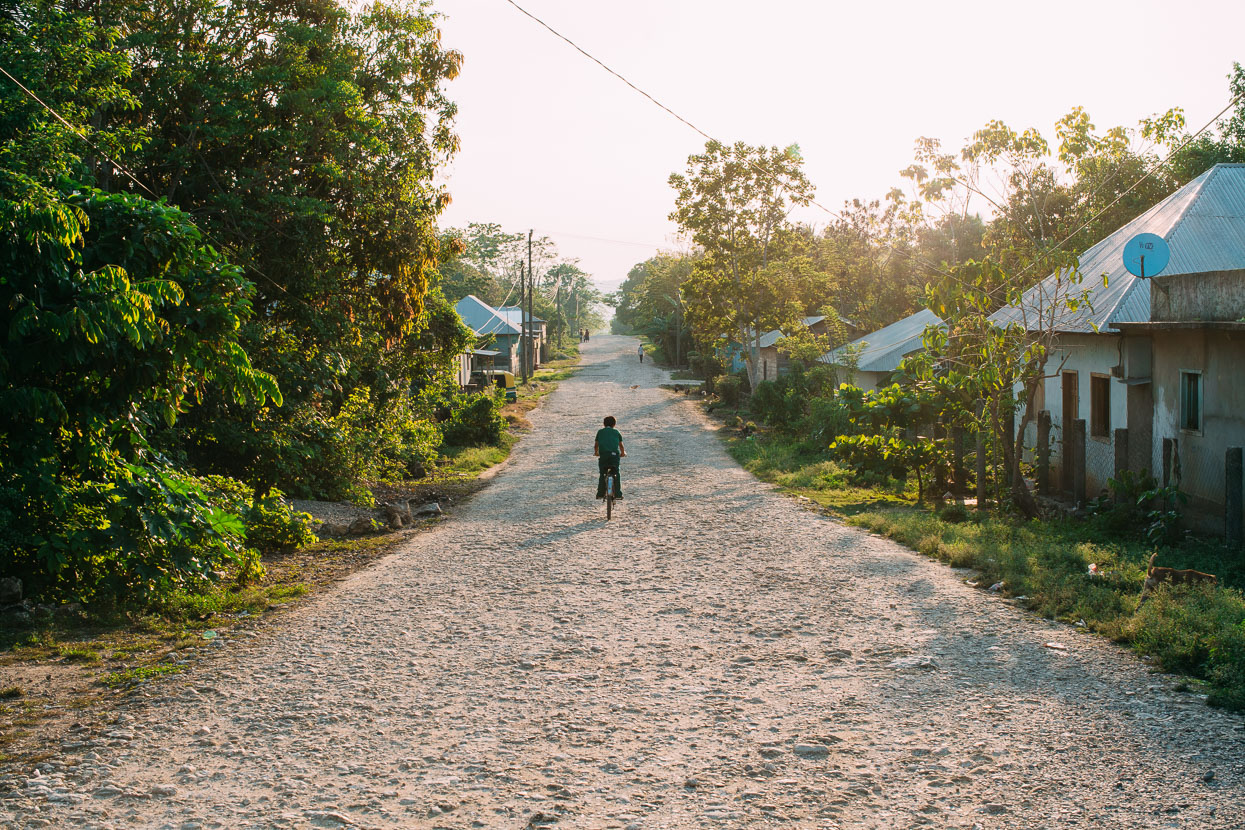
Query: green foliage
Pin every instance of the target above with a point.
(1138, 507)
(730, 389)
(705, 366)
(272, 525)
(733, 201)
(117, 317)
(1198, 631)
(475, 420)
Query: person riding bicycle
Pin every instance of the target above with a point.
(608, 449)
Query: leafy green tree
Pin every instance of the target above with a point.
(116, 317)
(733, 202)
(650, 302)
(304, 138)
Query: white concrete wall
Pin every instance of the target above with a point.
(1086, 355)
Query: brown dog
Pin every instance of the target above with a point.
(1176, 577)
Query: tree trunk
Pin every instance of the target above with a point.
(1021, 495)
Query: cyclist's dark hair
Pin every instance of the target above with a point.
(609, 420)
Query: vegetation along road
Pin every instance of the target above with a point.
(717, 656)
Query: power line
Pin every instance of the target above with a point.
(905, 254)
(758, 168)
(134, 179)
(76, 132)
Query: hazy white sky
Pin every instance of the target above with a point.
(551, 141)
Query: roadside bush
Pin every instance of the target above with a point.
(271, 523)
(1181, 627)
(705, 366)
(780, 403)
(821, 381)
(827, 419)
(730, 389)
(475, 419)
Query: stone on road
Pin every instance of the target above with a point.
(716, 656)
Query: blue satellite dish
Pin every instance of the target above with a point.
(1146, 255)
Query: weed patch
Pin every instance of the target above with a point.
(139, 674)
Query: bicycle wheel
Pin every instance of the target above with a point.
(609, 495)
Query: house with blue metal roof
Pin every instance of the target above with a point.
(1189, 353)
(1095, 373)
(497, 339)
(774, 363)
(537, 328)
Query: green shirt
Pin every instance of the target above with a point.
(609, 440)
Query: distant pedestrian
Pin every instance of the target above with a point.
(587, 335)
(640, 351)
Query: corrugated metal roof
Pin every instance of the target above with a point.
(514, 315)
(482, 317)
(1203, 223)
(883, 350)
(769, 338)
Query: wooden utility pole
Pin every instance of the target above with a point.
(531, 321)
(522, 332)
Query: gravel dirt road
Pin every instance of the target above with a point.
(717, 656)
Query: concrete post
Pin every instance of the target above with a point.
(938, 432)
(1078, 453)
(1232, 495)
(1121, 452)
(1043, 452)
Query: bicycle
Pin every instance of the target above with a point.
(611, 476)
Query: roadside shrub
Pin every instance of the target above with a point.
(272, 524)
(730, 389)
(704, 366)
(827, 419)
(780, 403)
(475, 420)
(820, 381)
(954, 513)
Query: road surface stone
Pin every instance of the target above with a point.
(717, 656)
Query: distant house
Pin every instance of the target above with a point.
(1189, 355)
(877, 356)
(773, 363)
(536, 327)
(493, 332)
(1095, 373)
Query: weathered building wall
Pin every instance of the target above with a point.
(1220, 357)
(1212, 296)
(1086, 355)
(773, 363)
